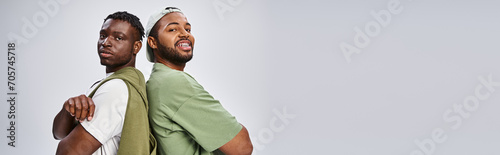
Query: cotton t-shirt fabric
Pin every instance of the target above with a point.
(110, 101)
(186, 119)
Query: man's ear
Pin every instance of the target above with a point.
(152, 42)
(137, 46)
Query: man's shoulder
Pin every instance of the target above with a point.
(172, 83)
(113, 83)
(176, 81)
(162, 75)
(103, 84)
(128, 74)
(112, 86)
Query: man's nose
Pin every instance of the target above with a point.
(183, 34)
(106, 42)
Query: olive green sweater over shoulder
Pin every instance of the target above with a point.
(136, 137)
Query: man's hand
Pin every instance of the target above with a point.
(80, 107)
(74, 109)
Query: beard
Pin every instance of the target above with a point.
(171, 55)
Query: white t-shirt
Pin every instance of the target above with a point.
(110, 106)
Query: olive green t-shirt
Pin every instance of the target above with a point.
(185, 118)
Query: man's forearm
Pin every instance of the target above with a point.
(79, 141)
(63, 124)
(239, 145)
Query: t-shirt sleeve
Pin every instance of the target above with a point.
(110, 101)
(207, 122)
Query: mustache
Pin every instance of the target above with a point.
(104, 50)
(190, 42)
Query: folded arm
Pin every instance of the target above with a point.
(239, 145)
(74, 109)
(78, 141)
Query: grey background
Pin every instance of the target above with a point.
(262, 57)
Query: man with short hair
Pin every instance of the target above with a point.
(186, 119)
(119, 124)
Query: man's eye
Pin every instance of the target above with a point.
(119, 38)
(172, 30)
(188, 30)
(102, 36)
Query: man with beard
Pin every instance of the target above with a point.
(119, 124)
(184, 117)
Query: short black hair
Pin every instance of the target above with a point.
(154, 30)
(130, 18)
